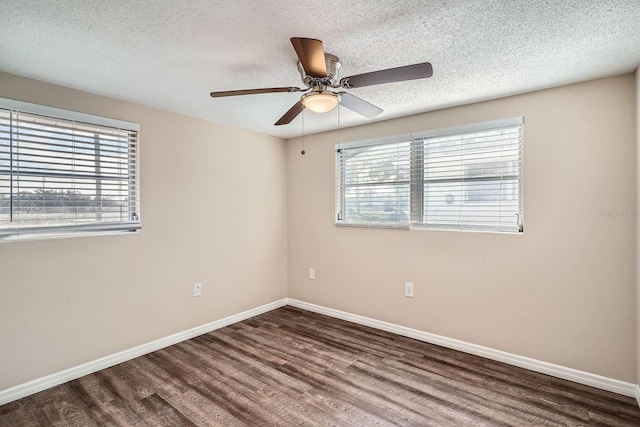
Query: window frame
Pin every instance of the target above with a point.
(418, 181)
(74, 118)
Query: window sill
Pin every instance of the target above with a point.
(51, 236)
(427, 228)
(356, 225)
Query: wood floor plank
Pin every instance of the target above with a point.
(319, 360)
(95, 398)
(255, 365)
(274, 353)
(255, 387)
(157, 412)
(24, 412)
(160, 379)
(218, 388)
(201, 411)
(478, 402)
(438, 408)
(374, 407)
(122, 415)
(292, 367)
(611, 420)
(507, 386)
(62, 408)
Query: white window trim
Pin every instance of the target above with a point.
(44, 110)
(472, 127)
(479, 126)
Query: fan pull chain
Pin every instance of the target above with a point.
(338, 112)
(303, 151)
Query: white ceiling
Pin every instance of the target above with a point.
(170, 54)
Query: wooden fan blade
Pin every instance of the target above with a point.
(311, 55)
(359, 105)
(408, 72)
(254, 91)
(293, 112)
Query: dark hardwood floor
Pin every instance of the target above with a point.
(290, 367)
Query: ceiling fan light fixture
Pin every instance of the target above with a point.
(320, 102)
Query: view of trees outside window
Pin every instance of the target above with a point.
(58, 173)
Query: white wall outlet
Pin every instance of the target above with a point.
(312, 273)
(197, 289)
(408, 289)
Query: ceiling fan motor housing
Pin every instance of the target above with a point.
(333, 72)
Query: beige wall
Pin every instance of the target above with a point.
(637, 110)
(564, 292)
(213, 211)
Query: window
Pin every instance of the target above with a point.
(63, 172)
(375, 184)
(463, 178)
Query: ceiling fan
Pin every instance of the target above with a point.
(320, 72)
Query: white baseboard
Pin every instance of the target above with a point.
(31, 387)
(593, 380)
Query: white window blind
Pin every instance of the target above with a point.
(466, 178)
(373, 185)
(61, 176)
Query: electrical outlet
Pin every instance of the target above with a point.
(312, 273)
(408, 289)
(197, 289)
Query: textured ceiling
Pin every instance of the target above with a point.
(170, 54)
